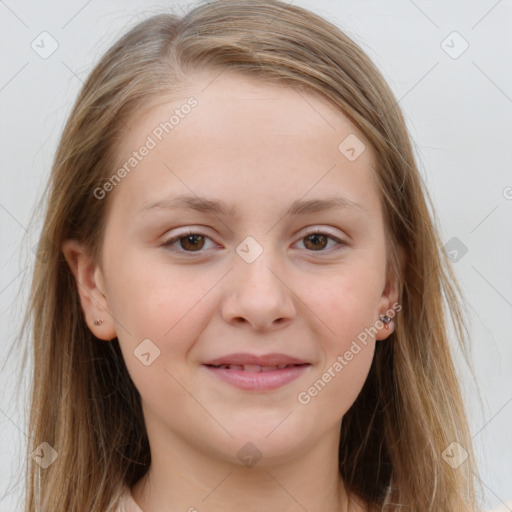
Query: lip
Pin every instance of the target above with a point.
(259, 381)
(252, 380)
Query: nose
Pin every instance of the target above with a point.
(259, 295)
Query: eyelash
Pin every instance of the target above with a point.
(168, 243)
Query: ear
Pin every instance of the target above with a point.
(389, 299)
(91, 289)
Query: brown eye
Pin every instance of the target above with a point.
(192, 242)
(189, 242)
(316, 241)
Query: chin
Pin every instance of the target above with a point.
(269, 443)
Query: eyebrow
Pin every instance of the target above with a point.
(298, 207)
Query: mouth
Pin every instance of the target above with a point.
(253, 377)
(254, 368)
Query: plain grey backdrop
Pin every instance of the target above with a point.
(448, 63)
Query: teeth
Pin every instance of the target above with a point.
(253, 368)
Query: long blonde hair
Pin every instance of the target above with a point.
(83, 401)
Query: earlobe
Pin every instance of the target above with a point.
(388, 326)
(91, 289)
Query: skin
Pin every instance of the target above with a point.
(261, 146)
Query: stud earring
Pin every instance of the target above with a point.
(98, 322)
(385, 319)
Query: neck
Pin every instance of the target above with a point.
(182, 478)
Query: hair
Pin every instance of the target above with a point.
(83, 401)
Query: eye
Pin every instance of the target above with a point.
(189, 242)
(317, 241)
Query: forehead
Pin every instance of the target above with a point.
(240, 134)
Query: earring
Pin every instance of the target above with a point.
(98, 322)
(385, 319)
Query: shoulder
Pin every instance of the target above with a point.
(126, 502)
(358, 505)
(506, 507)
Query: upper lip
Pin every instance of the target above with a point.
(263, 360)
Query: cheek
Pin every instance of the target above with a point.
(346, 346)
(153, 299)
(170, 309)
(337, 387)
(346, 303)
(167, 305)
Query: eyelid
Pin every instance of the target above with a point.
(322, 230)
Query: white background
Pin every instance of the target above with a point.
(459, 112)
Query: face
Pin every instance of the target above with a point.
(270, 270)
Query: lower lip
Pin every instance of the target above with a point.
(259, 381)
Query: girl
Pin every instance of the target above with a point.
(240, 300)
